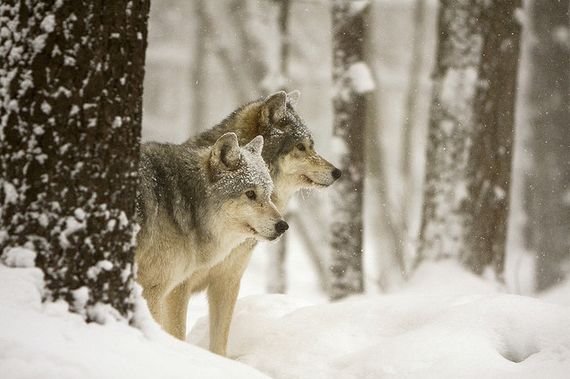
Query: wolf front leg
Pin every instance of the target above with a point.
(222, 297)
(176, 309)
(223, 288)
(154, 298)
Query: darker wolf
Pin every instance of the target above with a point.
(195, 204)
(289, 152)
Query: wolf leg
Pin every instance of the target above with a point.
(176, 309)
(222, 297)
(154, 298)
(223, 288)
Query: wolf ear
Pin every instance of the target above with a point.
(293, 97)
(255, 145)
(225, 151)
(274, 107)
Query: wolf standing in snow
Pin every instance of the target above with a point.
(194, 206)
(293, 163)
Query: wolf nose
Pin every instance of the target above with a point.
(336, 173)
(281, 227)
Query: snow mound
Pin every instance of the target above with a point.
(46, 341)
(447, 277)
(559, 294)
(401, 336)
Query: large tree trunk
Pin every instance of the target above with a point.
(350, 82)
(466, 193)
(548, 185)
(70, 119)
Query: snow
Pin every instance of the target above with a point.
(79, 214)
(10, 193)
(521, 16)
(360, 78)
(72, 225)
(39, 43)
(559, 294)
(80, 297)
(445, 323)
(561, 35)
(117, 122)
(20, 257)
(357, 6)
(436, 277)
(48, 23)
(45, 340)
(94, 271)
(457, 91)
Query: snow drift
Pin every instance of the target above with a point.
(411, 335)
(46, 341)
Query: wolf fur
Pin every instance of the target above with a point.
(194, 206)
(293, 164)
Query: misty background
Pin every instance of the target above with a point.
(205, 59)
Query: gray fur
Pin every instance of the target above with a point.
(175, 179)
(275, 121)
(281, 127)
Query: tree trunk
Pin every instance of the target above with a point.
(70, 120)
(199, 88)
(409, 125)
(466, 193)
(277, 280)
(349, 83)
(548, 185)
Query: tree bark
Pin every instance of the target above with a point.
(199, 92)
(349, 108)
(466, 191)
(277, 280)
(70, 120)
(548, 184)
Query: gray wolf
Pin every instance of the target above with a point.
(294, 164)
(194, 205)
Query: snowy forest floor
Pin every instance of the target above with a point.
(465, 328)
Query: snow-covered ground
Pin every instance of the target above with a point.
(46, 341)
(444, 323)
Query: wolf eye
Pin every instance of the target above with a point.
(301, 147)
(251, 195)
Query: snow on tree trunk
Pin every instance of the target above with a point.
(548, 184)
(351, 80)
(71, 77)
(466, 191)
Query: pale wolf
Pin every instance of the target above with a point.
(293, 163)
(194, 206)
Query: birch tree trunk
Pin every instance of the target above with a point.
(348, 22)
(548, 185)
(70, 119)
(466, 191)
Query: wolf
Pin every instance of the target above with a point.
(289, 152)
(194, 205)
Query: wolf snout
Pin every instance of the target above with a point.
(281, 226)
(336, 173)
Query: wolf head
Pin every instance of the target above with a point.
(289, 147)
(241, 189)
